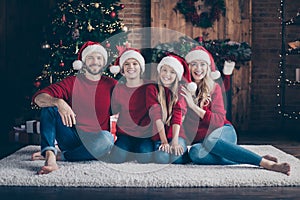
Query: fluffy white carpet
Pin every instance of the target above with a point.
(18, 170)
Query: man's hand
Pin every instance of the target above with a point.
(66, 113)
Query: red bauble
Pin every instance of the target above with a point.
(107, 45)
(122, 6)
(113, 14)
(37, 84)
(62, 64)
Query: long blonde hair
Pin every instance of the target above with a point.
(204, 89)
(167, 116)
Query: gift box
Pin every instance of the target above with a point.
(33, 126)
(23, 137)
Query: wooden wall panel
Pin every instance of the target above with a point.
(236, 25)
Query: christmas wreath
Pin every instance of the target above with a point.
(210, 11)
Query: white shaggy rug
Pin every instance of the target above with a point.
(18, 170)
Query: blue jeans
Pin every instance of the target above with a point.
(74, 145)
(132, 148)
(163, 157)
(220, 148)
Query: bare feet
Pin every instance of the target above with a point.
(284, 168)
(271, 158)
(50, 163)
(37, 156)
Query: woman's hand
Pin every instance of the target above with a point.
(188, 97)
(165, 147)
(177, 149)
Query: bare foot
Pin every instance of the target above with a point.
(284, 168)
(271, 158)
(37, 156)
(50, 164)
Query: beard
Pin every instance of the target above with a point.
(91, 70)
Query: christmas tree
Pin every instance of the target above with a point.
(73, 22)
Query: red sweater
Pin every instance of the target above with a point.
(155, 112)
(130, 103)
(195, 128)
(90, 100)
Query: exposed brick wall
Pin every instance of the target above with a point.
(266, 47)
(135, 15)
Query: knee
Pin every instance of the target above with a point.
(161, 157)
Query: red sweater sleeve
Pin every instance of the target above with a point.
(62, 89)
(152, 103)
(215, 113)
(179, 110)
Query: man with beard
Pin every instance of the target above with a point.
(76, 111)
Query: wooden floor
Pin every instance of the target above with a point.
(286, 144)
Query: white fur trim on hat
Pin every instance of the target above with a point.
(172, 62)
(228, 67)
(94, 48)
(114, 69)
(198, 55)
(135, 55)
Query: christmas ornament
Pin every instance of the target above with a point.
(61, 64)
(37, 84)
(63, 19)
(107, 44)
(113, 14)
(97, 5)
(202, 13)
(90, 27)
(122, 6)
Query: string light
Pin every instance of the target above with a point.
(282, 81)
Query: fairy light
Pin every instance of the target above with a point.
(282, 81)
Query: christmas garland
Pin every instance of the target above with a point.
(205, 19)
(221, 50)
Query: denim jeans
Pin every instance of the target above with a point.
(220, 148)
(128, 148)
(163, 157)
(74, 145)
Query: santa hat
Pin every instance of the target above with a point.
(200, 53)
(181, 68)
(86, 49)
(127, 54)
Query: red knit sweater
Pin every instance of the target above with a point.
(90, 100)
(155, 112)
(195, 128)
(130, 103)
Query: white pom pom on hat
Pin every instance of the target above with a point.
(181, 68)
(86, 49)
(200, 53)
(115, 69)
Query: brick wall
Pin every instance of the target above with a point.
(135, 15)
(266, 46)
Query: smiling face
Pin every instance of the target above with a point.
(131, 69)
(94, 63)
(199, 69)
(167, 75)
